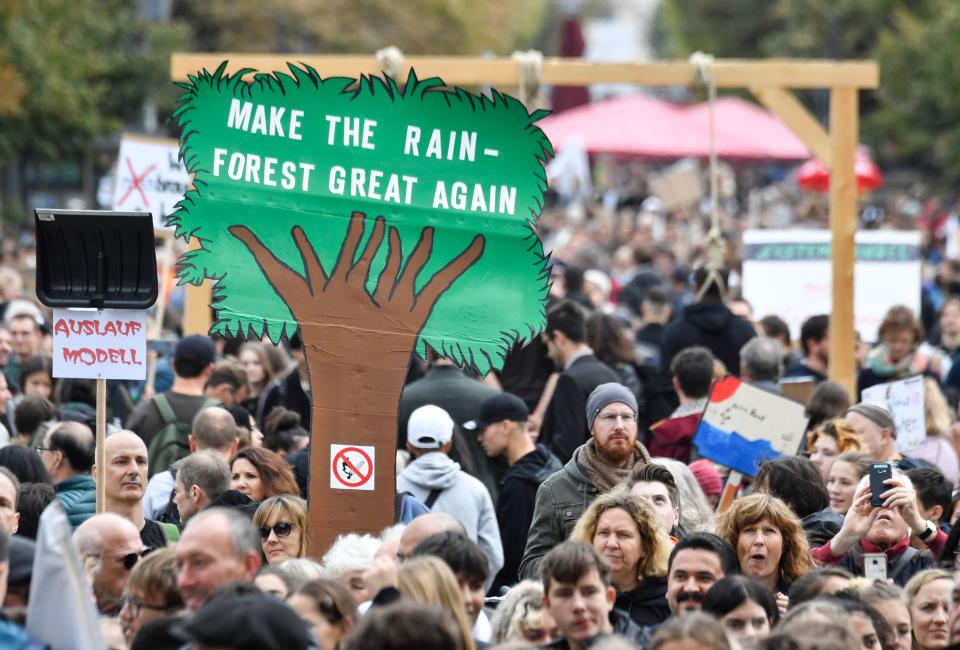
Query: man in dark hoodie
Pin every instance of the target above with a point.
(502, 430)
(707, 322)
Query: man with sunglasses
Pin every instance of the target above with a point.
(110, 547)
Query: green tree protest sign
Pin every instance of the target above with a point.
(375, 219)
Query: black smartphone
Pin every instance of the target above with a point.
(879, 472)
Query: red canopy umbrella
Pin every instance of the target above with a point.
(643, 126)
(813, 175)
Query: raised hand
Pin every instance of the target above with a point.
(904, 499)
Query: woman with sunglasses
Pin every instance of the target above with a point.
(282, 521)
(328, 608)
(151, 591)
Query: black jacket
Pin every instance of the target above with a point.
(515, 501)
(899, 568)
(821, 526)
(646, 604)
(622, 626)
(288, 393)
(635, 290)
(565, 422)
(711, 325)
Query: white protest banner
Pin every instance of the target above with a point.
(60, 609)
(788, 273)
(150, 177)
(904, 398)
(108, 344)
(743, 426)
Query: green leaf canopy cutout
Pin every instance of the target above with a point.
(307, 180)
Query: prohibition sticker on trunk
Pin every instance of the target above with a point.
(352, 467)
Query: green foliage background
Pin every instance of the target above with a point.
(496, 302)
(910, 120)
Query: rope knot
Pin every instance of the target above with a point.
(530, 76)
(391, 62)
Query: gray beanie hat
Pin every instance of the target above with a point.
(608, 394)
(879, 414)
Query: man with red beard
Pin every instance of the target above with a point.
(604, 461)
(886, 530)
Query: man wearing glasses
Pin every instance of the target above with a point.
(68, 455)
(110, 547)
(598, 465)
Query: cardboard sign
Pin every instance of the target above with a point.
(352, 467)
(373, 218)
(800, 390)
(150, 177)
(904, 398)
(788, 273)
(109, 344)
(743, 426)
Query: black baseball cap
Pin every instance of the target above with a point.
(196, 348)
(246, 622)
(496, 408)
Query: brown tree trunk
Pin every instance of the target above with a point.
(357, 346)
(355, 386)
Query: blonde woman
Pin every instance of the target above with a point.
(624, 529)
(938, 448)
(429, 580)
(521, 616)
(282, 521)
(929, 600)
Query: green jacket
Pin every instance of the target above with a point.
(78, 494)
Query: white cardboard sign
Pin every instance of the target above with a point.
(150, 177)
(904, 398)
(742, 426)
(352, 467)
(788, 273)
(108, 344)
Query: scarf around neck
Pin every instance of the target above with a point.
(878, 360)
(604, 475)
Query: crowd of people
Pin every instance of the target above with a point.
(559, 502)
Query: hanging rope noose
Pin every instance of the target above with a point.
(528, 88)
(716, 246)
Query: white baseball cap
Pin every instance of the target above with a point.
(429, 427)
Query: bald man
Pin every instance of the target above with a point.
(424, 526)
(125, 482)
(110, 547)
